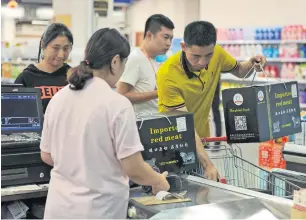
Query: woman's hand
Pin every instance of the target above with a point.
(163, 185)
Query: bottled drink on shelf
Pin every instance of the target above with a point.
(289, 32)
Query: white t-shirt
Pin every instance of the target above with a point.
(140, 74)
(87, 133)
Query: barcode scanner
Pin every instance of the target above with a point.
(175, 182)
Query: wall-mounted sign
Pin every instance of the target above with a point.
(101, 7)
(64, 19)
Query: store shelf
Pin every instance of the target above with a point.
(281, 60)
(230, 77)
(229, 42)
(7, 80)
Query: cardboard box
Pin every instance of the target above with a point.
(261, 113)
(168, 140)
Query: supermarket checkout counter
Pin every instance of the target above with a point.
(214, 200)
(168, 141)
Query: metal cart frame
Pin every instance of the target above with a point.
(236, 171)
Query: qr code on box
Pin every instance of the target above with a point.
(240, 123)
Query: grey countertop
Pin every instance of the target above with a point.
(216, 201)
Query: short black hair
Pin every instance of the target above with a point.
(155, 22)
(53, 31)
(200, 33)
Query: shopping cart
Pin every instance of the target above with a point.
(241, 173)
(300, 138)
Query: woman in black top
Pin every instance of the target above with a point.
(50, 73)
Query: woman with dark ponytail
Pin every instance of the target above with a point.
(91, 139)
(50, 72)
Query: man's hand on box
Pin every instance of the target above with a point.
(259, 62)
(211, 173)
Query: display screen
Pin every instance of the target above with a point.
(19, 112)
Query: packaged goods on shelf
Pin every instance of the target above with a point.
(11, 70)
(291, 32)
(273, 51)
(270, 155)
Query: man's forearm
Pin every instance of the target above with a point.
(201, 153)
(243, 68)
(136, 98)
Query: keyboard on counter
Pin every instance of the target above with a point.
(20, 140)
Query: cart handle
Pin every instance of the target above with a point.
(214, 139)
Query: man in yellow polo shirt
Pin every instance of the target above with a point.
(187, 81)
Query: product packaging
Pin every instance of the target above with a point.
(168, 140)
(261, 113)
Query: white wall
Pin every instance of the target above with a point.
(225, 13)
(81, 18)
(181, 12)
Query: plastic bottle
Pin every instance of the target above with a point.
(237, 51)
(282, 50)
(303, 51)
(284, 71)
(230, 34)
(248, 51)
(231, 50)
(277, 32)
(284, 33)
(240, 34)
(259, 49)
(257, 34)
(266, 34)
(294, 51)
(271, 34)
(297, 71)
(299, 32)
(275, 53)
(269, 51)
(293, 32)
(274, 71)
(253, 50)
(291, 74)
(264, 50)
(267, 72)
(261, 34)
(243, 52)
(225, 34)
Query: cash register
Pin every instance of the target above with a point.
(21, 126)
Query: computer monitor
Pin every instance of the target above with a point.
(11, 85)
(21, 110)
